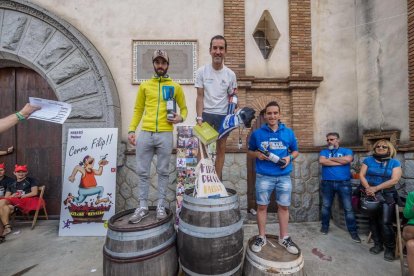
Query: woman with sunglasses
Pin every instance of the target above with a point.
(379, 174)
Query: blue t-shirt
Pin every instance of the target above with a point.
(280, 142)
(338, 173)
(379, 172)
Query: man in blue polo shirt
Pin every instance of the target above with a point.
(274, 146)
(336, 174)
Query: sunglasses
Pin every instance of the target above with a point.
(332, 139)
(381, 147)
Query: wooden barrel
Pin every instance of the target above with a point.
(338, 218)
(145, 248)
(210, 235)
(273, 259)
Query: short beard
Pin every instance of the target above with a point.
(161, 74)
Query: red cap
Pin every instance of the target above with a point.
(2, 166)
(20, 168)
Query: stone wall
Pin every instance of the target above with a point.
(305, 179)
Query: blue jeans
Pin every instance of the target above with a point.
(344, 190)
(266, 184)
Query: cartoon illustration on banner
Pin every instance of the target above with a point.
(88, 193)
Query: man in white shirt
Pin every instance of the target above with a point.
(215, 83)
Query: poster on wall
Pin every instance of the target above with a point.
(88, 192)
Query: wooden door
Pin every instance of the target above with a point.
(37, 143)
(251, 175)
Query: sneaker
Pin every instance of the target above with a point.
(389, 254)
(258, 244)
(324, 231)
(138, 215)
(161, 214)
(376, 249)
(355, 237)
(290, 246)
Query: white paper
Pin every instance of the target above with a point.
(52, 111)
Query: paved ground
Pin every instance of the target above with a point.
(42, 252)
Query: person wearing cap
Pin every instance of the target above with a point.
(21, 193)
(215, 83)
(13, 119)
(156, 135)
(4, 179)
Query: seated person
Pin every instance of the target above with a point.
(21, 193)
(408, 231)
(4, 180)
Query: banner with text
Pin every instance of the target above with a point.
(88, 192)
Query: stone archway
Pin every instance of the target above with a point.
(38, 39)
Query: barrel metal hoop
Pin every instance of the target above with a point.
(204, 208)
(282, 267)
(141, 253)
(210, 201)
(132, 236)
(229, 273)
(208, 232)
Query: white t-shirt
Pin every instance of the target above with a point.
(218, 85)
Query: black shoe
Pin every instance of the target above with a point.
(389, 254)
(324, 231)
(355, 237)
(376, 249)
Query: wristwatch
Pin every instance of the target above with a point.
(199, 118)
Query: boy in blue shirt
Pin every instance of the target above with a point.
(274, 146)
(336, 174)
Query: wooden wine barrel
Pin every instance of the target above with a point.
(338, 218)
(210, 235)
(145, 248)
(271, 260)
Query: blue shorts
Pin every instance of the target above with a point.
(265, 185)
(214, 120)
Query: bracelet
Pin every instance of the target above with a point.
(291, 157)
(199, 118)
(20, 117)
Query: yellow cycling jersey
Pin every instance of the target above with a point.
(151, 107)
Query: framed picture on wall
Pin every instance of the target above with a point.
(182, 55)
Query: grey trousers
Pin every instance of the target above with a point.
(148, 144)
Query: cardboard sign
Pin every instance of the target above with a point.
(88, 192)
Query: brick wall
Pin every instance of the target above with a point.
(300, 69)
(302, 115)
(296, 92)
(300, 38)
(234, 29)
(410, 28)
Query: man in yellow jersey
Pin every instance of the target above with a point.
(155, 105)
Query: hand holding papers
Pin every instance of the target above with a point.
(52, 111)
